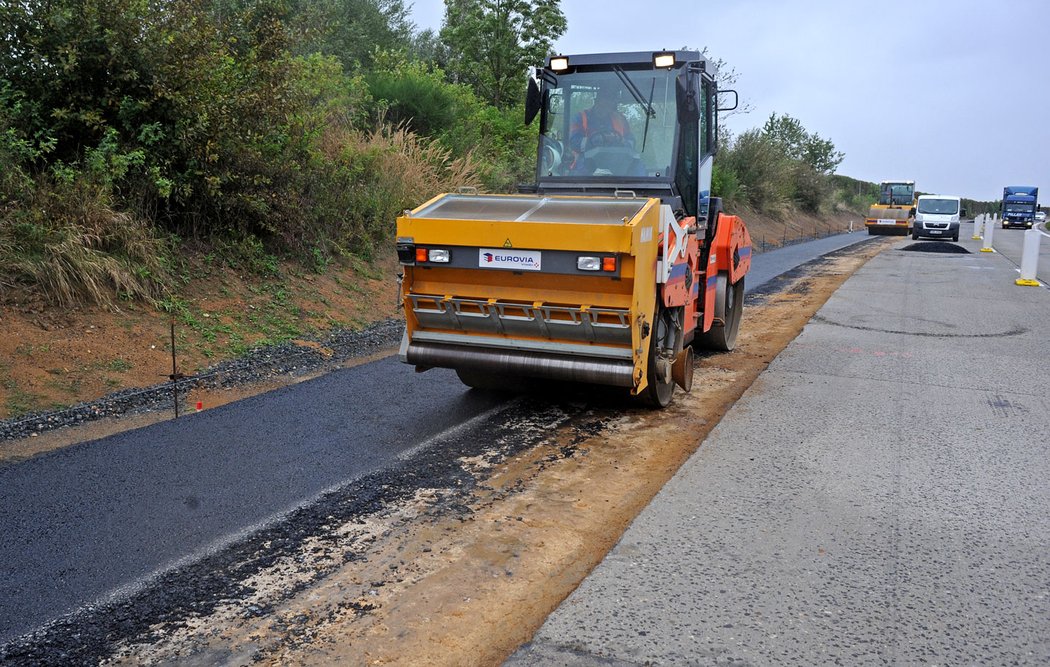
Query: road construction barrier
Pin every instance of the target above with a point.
(988, 233)
(1030, 258)
(978, 226)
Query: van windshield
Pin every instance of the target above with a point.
(939, 206)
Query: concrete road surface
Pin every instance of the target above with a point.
(1009, 243)
(880, 495)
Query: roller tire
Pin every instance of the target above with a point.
(658, 393)
(729, 308)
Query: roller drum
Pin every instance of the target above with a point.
(529, 364)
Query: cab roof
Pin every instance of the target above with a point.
(633, 58)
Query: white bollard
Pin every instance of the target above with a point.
(978, 227)
(1030, 258)
(988, 229)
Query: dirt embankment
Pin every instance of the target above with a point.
(51, 357)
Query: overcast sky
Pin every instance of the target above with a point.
(953, 94)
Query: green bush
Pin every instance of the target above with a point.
(418, 97)
(60, 232)
(851, 194)
(762, 171)
(369, 178)
(726, 184)
(809, 188)
(504, 147)
(497, 141)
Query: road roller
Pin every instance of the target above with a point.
(609, 269)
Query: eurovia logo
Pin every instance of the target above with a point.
(517, 260)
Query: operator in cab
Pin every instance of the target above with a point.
(601, 126)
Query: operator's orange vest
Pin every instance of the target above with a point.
(617, 124)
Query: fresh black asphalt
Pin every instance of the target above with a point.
(88, 519)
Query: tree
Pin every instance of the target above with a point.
(492, 43)
(798, 144)
(351, 30)
(80, 67)
(726, 80)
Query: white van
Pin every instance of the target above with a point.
(937, 216)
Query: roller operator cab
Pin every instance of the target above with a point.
(612, 265)
(937, 217)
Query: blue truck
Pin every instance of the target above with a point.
(1020, 202)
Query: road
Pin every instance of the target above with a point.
(88, 520)
(1009, 243)
(878, 496)
(104, 518)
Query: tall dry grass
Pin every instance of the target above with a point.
(65, 241)
(364, 180)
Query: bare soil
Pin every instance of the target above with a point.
(52, 357)
(468, 588)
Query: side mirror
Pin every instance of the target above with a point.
(533, 99)
(962, 213)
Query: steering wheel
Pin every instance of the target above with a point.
(622, 160)
(550, 155)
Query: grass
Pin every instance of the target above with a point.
(20, 402)
(28, 349)
(119, 366)
(222, 316)
(349, 286)
(364, 268)
(270, 317)
(74, 248)
(71, 387)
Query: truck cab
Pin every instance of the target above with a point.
(937, 217)
(1020, 202)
